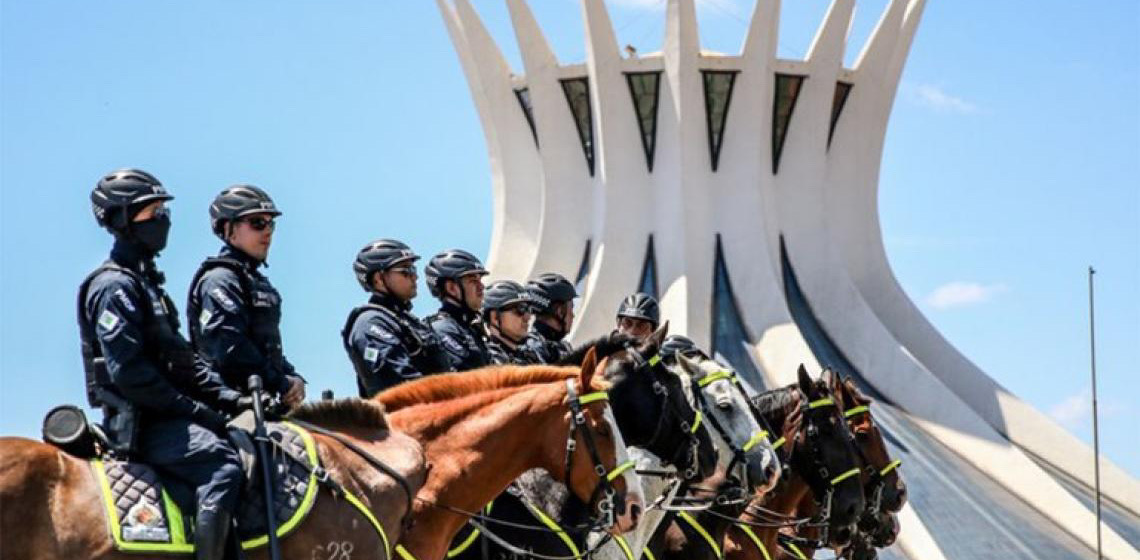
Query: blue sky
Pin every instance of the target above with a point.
(1011, 164)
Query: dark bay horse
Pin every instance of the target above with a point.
(51, 506)
(482, 429)
(823, 465)
(884, 489)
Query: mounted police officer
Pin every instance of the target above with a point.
(386, 343)
(233, 310)
(161, 406)
(638, 316)
(455, 277)
(507, 314)
(552, 298)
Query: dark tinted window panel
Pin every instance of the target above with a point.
(718, 95)
(730, 340)
(648, 283)
(583, 271)
(842, 90)
(969, 515)
(787, 92)
(523, 95)
(577, 92)
(645, 87)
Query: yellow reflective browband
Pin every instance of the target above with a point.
(890, 467)
(618, 470)
(594, 397)
(758, 437)
(779, 443)
(826, 401)
(844, 476)
(714, 377)
(857, 410)
(656, 359)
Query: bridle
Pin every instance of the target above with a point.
(738, 451)
(604, 495)
(877, 477)
(692, 451)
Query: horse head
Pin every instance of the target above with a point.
(728, 411)
(885, 489)
(825, 456)
(655, 411)
(598, 469)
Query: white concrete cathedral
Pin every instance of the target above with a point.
(742, 191)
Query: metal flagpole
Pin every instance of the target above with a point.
(1096, 431)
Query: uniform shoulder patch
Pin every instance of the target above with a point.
(219, 295)
(371, 353)
(108, 320)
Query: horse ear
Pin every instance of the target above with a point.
(804, 381)
(589, 364)
(688, 365)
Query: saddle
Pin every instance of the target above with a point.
(143, 517)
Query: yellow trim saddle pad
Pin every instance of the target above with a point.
(142, 517)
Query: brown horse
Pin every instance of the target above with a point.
(823, 464)
(884, 488)
(482, 429)
(51, 506)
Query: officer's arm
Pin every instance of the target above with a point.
(452, 341)
(385, 358)
(116, 307)
(224, 322)
(213, 388)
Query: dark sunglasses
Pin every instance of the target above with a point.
(518, 310)
(409, 271)
(260, 224)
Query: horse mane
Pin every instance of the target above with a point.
(448, 386)
(603, 346)
(776, 401)
(343, 413)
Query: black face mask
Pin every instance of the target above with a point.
(151, 234)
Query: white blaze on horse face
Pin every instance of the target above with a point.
(633, 492)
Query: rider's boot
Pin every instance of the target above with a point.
(211, 532)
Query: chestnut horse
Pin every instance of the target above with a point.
(823, 463)
(52, 506)
(883, 487)
(482, 429)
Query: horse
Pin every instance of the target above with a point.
(822, 461)
(53, 506)
(884, 489)
(744, 443)
(481, 429)
(653, 411)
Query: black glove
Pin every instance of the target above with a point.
(209, 418)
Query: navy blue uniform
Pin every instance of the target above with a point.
(388, 345)
(546, 345)
(235, 315)
(502, 354)
(461, 333)
(144, 374)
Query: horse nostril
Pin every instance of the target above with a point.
(635, 513)
(770, 471)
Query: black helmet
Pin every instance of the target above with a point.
(380, 255)
(451, 264)
(675, 344)
(548, 289)
(121, 194)
(640, 306)
(238, 201)
(504, 293)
